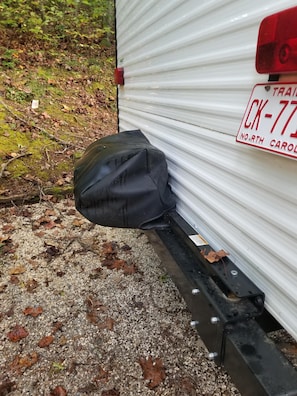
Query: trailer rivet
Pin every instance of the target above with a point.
(194, 323)
(234, 272)
(195, 291)
(212, 355)
(214, 320)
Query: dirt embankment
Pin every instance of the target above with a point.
(52, 105)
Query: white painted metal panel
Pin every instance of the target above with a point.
(189, 71)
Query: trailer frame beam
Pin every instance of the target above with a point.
(228, 327)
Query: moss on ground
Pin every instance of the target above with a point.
(76, 106)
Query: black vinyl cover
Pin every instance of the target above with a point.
(122, 181)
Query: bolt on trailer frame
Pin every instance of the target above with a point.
(185, 73)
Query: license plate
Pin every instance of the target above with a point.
(270, 120)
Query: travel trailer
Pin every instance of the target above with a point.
(213, 84)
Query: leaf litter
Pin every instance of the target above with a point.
(153, 371)
(87, 309)
(33, 311)
(214, 257)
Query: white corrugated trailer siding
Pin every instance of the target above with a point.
(189, 71)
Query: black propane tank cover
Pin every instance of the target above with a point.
(122, 181)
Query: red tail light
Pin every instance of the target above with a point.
(277, 43)
(119, 76)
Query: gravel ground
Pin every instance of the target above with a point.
(88, 310)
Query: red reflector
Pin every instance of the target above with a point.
(277, 43)
(119, 76)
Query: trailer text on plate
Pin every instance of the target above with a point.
(270, 119)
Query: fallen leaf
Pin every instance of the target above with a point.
(3, 288)
(57, 326)
(7, 246)
(50, 212)
(78, 222)
(214, 257)
(94, 304)
(68, 179)
(51, 224)
(110, 392)
(26, 212)
(14, 280)
(57, 367)
(60, 182)
(118, 264)
(33, 311)
(41, 221)
(97, 273)
(31, 178)
(19, 363)
(187, 386)
(5, 238)
(153, 371)
(126, 248)
(6, 386)
(46, 222)
(113, 263)
(58, 391)
(10, 312)
(31, 285)
(52, 250)
(107, 324)
(17, 333)
(63, 341)
(7, 228)
(45, 341)
(48, 197)
(109, 248)
(129, 269)
(94, 308)
(45, 115)
(40, 234)
(102, 376)
(89, 388)
(92, 317)
(34, 263)
(17, 270)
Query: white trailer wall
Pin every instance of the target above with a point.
(189, 71)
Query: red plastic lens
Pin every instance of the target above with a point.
(277, 43)
(119, 76)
